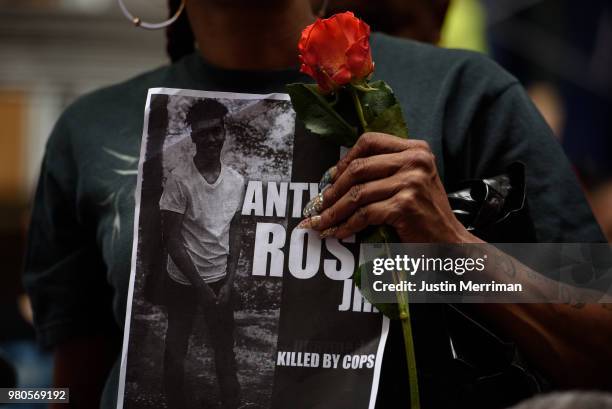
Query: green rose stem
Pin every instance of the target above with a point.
(404, 316)
(402, 298)
(359, 108)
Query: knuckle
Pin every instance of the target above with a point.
(362, 215)
(331, 216)
(342, 164)
(329, 195)
(405, 200)
(355, 194)
(357, 166)
(423, 159)
(367, 138)
(401, 182)
(422, 144)
(417, 179)
(369, 141)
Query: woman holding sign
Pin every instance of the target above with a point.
(468, 119)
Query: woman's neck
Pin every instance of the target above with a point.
(249, 34)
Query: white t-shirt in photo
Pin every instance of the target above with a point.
(208, 210)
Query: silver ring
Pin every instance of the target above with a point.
(150, 26)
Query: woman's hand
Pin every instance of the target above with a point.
(387, 180)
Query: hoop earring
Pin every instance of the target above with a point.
(150, 26)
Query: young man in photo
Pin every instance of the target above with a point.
(199, 208)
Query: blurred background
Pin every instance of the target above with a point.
(52, 51)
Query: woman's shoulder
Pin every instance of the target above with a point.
(427, 66)
(110, 114)
(123, 95)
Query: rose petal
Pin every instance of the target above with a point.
(342, 76)
(336, 50)
(359, 59)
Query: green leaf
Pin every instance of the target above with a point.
(319, 116)
(390, 310)
(377, 101)
(390, 121)
(381, 109)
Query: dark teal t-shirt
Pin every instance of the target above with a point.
(475, 116)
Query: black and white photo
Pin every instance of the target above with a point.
(231, 306)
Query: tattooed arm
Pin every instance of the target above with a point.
(569, 342)
(388, 180)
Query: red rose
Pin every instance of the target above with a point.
(336, 51)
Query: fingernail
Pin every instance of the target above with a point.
(328, 177)
(329, 232)
(313, 207)
(309, 223)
